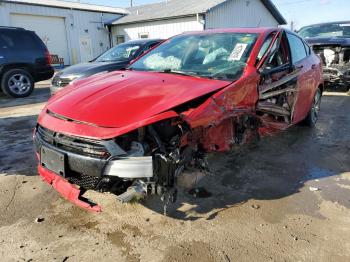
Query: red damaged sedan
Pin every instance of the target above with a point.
(134, 132)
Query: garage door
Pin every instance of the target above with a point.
(51, 30)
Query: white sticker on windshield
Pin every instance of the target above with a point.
(237, 52)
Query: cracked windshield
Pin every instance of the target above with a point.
(218, 56)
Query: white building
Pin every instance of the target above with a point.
(171, 17)
(80, 32)
(73, 31)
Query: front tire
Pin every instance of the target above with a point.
(312, 116)
(17, 83)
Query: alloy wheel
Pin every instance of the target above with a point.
(315, 109)
(19, 84)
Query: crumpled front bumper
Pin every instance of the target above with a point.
(67, 190)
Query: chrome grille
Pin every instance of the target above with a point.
(82, 146)
(60, 82)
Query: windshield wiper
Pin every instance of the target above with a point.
(179, 72)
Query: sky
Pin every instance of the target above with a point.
(301, 12)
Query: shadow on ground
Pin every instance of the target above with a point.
(16, 145)
(39, 95)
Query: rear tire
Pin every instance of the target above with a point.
(312, 116)
(17, 83)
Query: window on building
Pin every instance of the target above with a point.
(119, 39)
(143, 35)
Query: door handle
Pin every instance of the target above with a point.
(300, 67)
(313, 66)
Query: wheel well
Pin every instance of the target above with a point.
(26, 67)
(321, 87)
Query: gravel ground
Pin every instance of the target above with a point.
(286, 198)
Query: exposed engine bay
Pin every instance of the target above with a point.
(161, 159)
(336, 65)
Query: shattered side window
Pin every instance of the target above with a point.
(279, 54)
(265, 46)
(219, 56)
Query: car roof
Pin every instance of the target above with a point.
(12, 28)
(143, 41)
(252, 30)
(247, 30)
(326, 23)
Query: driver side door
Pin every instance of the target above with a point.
(279, 86)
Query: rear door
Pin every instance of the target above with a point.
(20, 46)
(5, 45)
(302, 61)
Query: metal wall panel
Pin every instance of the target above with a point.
(240, 13)
(55, 40)
(232, 13)
(79, 24)
(157, 29)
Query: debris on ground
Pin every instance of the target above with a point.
(39, 219)
(311, 188)
(255, 206)
(199, 192)
(189, 179)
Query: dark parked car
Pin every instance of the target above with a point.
(24, 60)
(134, 132)
(115, 58)
(331, 41)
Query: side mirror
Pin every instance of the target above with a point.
(265, 70)
(268, 69)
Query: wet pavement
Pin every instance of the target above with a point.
(284, 198)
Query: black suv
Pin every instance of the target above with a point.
(24, 60)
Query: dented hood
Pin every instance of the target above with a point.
(119, 99)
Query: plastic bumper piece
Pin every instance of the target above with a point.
(67, 190)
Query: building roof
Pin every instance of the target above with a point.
(167, 9)
(274, 11)
(180, 8)
(72, 5)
